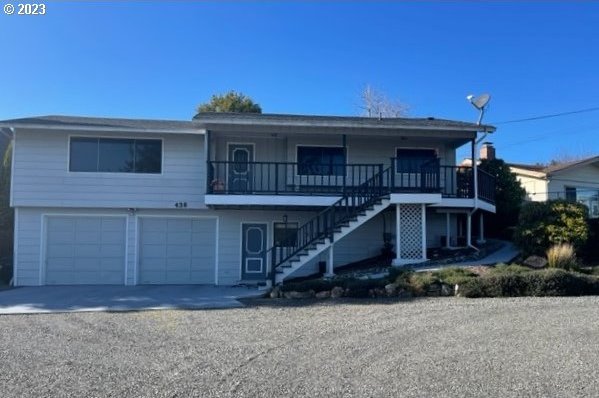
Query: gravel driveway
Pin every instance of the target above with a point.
(529, 347)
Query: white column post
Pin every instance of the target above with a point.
(330, 266)
(397, 260)
(481, 227)
(447, 230)
(469, 229)
(423, 231)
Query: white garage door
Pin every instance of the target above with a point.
(85, 250)
(177, 251)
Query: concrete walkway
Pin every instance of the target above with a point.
(56, 299)
(504, 255)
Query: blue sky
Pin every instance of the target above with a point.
(160, 59)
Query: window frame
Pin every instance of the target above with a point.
(346, 160)
(397, 148)
(115, 173)
(580, 200)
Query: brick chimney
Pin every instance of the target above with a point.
(487, 151)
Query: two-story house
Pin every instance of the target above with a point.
(232, 198)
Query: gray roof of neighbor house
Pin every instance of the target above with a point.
(101, 123)
(218, 118)
(557, 167)
(211, 119)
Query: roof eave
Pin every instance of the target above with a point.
(77, 127)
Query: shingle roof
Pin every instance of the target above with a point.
(57, 121)
(552, 168)
(208, 118)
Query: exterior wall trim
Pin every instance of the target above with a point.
(269, 200)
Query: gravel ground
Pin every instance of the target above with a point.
(526, 347)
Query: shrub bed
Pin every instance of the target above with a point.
(547, 282)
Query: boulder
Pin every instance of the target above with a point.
(405, 294)
(324, 294)
(380, 292)
(299, 295)
(434, 290)
(391, 289)
(337, 292)
(447, 290)
(535, 262)
(275, 293)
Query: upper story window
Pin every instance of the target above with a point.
(410, 160)
(115, 155)
(320, 160)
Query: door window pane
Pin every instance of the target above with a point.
(84, 154)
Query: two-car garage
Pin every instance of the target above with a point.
(93, 250)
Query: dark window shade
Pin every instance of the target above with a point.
(285, 234)
(571, 194)
(320, 160)
(115, 155)
(412, 160)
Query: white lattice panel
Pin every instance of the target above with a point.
(410, 218)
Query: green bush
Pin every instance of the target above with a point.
(501, 269)
(542, 224)
(356, 287)
(548, 282)
(562, 256)
(454, 276)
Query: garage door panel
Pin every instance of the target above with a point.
(60, 250)
(91, 237)
(57, 237)
(178, 238)
(154, 251)
(152, 237)
(85, 250)
(88, 224)
(179, 225)
(112, 250)
(174, 251)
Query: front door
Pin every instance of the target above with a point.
(240, 172)
(253, 251)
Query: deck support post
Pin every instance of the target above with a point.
(469, 229)
(481, 229)
(330, 267)
(447, 230)
(423, 232)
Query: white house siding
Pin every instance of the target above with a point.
(41, 176)
(536, 188)
(579, 177)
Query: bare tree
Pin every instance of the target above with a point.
(564, 156)
(375, 103)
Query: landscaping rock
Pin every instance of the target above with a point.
(391, 289)
(405, 294)
(535, 262)
(434, 290)
(275, 292)
(299, 295)
(380, 292)
(323, 294)
(446, 290)
(337, 292)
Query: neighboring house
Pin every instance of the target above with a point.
(234, 198)
(576, 181)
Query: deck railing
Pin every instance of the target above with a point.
(285, 178)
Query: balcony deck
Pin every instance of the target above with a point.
(331, 180)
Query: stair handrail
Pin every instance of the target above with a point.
(353, 201)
